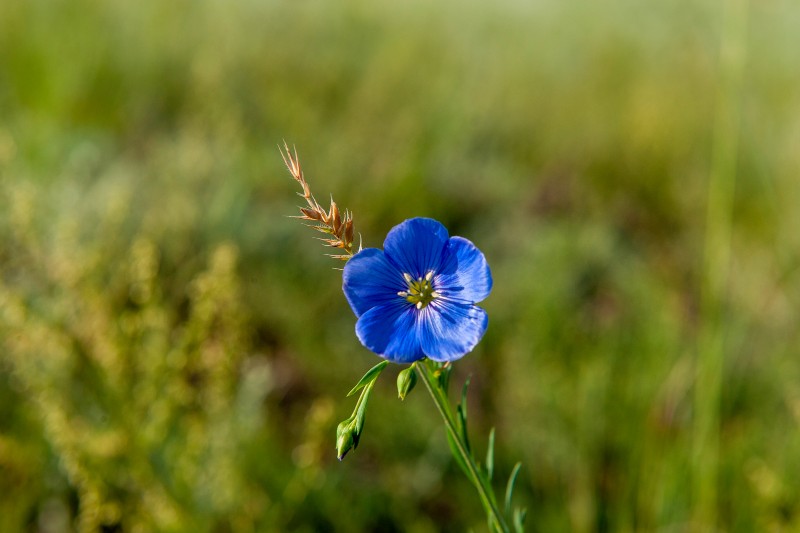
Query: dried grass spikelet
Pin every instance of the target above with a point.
(331, 222)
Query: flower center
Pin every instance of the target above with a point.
(420, 291)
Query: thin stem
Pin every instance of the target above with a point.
(481, 484)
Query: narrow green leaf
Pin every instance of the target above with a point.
(462, 423)
(371, 375)
(512, 479)
(461, 411)
(490, 456)
(457, 455)
(464, 398)
(360, 412)
(519, 519)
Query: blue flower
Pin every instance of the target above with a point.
(417, 297)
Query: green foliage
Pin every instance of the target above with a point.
(369, 378)
(174, 349)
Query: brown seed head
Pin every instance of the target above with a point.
(309, 214)
(348, 230)
(336, 219)
(330, 222)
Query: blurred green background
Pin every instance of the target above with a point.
(175, 350)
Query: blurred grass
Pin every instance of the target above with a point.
(158, 370)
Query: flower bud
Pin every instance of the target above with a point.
(406, 380)
(346, 438)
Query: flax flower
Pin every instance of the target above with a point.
(416, 297)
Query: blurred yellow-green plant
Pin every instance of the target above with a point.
(158, 365)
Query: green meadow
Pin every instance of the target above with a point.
(175, 350)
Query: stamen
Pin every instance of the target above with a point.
(420, 291)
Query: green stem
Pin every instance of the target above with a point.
(481, 483)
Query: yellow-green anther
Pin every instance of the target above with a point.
(420, 291)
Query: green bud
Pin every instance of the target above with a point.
(406, 380)
(346, 438)
(348, 432)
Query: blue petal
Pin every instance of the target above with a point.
(391, 331)
(416, 246)
(450, 330)
(464, 275)
(370, 280)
